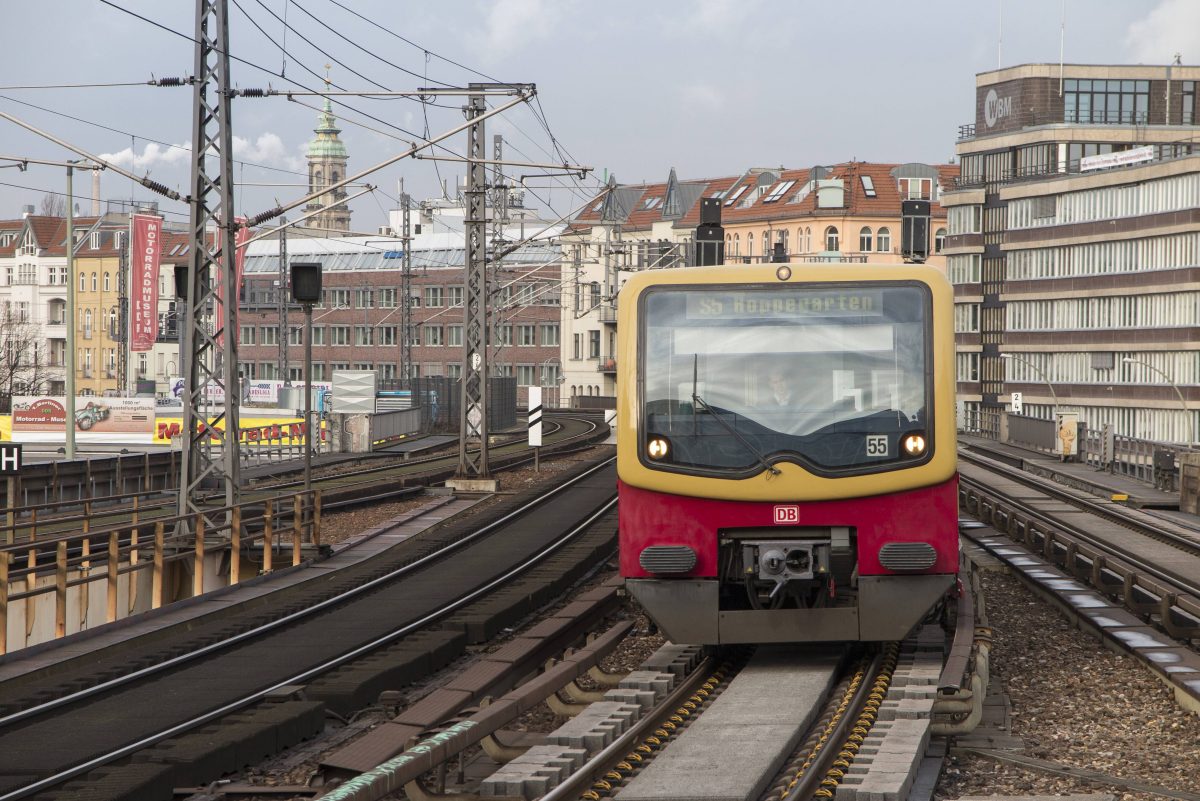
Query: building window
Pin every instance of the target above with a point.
(831, 238)
(750, 244)
(550, 335)
(525, 375)
(94, 240)
(433, 297)
(864, 238)
(339, 335)
(454, 335)
(577, 351)
(295, 373)
(107, 282)
(526, 335)
(364, 335)
(386, 298)
(433, 336)
(339, 298)
(95, 283)
(318, 371)
(593, 344)
(270, 335)
(62, 276)
(295, 335)
(318, 334)
(939, 240)
(883, 240)
(118, 239)
(387, 371)
(387, 335)
(504, 335)
(1113, 102)
(454, 296)
(247, 337)
(364, 299)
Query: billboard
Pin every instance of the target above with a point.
(263, 392)
(143, 291)
(119, 420)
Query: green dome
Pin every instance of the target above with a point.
(327, 144)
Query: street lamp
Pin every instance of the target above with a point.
(1037, 370)
(1187, 412)
(306, 290)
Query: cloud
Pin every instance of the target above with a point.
(1173, 26)
(268, 149)
(513, 24)
(702, 97)
(719, 16)
(151, 156)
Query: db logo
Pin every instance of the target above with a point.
(787, 514)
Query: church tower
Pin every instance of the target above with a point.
(327, 165)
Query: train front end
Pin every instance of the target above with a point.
(786, 450)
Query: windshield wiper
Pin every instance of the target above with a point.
(696, 399)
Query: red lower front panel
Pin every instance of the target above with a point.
(927, 515)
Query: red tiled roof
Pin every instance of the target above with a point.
(885, 202)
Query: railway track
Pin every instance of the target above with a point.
(421, 583)
(342, 488)
(1151, 565)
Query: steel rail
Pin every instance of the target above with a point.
(309, 673)
(1154, 571)
(1113, 514)
(582, 779)
(249, 634)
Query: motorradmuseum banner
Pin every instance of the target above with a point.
(145, 254)
(97, 419)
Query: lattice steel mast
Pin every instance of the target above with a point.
(210, 336)
(473, 422)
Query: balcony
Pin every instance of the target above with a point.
(607, 313)
(607, 366)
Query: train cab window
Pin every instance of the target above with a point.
(832, 378)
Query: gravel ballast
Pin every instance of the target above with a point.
(1077, 703)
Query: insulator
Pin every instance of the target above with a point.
(172, 82)
(253, 92)
(155, 186)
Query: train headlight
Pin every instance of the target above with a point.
(914, 444)
(657, 448)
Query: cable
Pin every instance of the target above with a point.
(373, 54)
(425, 50)
(121, 201)
(139, 136)
(78, 85)
(310, 42)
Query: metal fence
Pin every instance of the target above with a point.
(441, 397)
(397, 424)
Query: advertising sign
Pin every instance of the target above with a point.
(120, 420)
(1118, 159)
(265, 393)
(1066, 433)
(144, 256)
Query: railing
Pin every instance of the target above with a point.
(984, 422)
(966, 131)
(59, 563)
(1164, 151)
(607, 312)
(607, 366)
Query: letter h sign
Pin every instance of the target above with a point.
(10, 459)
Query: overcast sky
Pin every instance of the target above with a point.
(710, 87)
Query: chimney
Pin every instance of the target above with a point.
(26, 211)
(95, 193)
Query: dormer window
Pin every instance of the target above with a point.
(118, 239)
(94, 240)
(778, 191)
(733, 198)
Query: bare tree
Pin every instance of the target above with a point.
(53, 205)
(25, 364)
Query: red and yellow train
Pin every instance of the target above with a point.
(786, 450)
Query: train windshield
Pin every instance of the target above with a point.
(832, 377)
